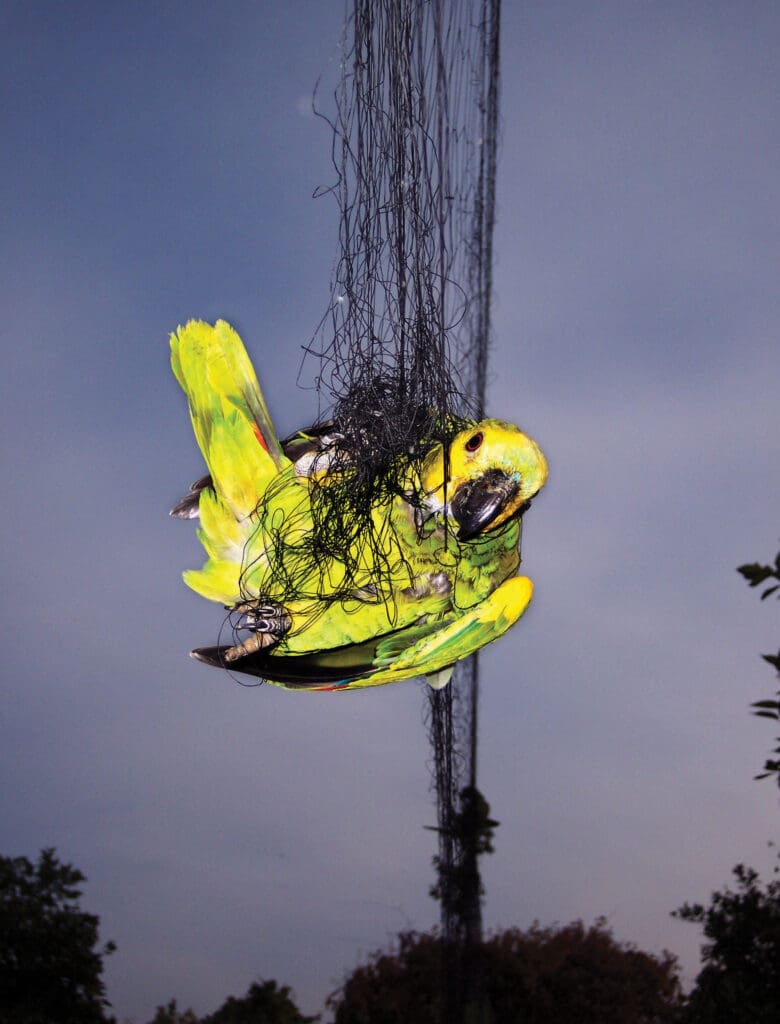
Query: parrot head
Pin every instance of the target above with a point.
(491, 473)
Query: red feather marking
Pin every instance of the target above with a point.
(259, 436)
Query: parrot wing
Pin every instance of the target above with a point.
(305, 449)
(229, 415)
(238, 442)
(422, 649)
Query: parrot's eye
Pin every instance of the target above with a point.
(473, 442)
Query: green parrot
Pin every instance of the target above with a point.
(448, 541)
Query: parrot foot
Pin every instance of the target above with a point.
(253, 643)
(268, 624)
(265, 618)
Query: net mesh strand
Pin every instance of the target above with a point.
(401, 350)
(410, 155)
(403, 347)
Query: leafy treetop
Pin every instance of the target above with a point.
(540, 976)
(264, 1003)
(50, 966)
(740, 980)
(756, 575)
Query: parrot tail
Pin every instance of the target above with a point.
(238, 442)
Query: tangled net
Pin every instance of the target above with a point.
(404, 345)
(402, 348)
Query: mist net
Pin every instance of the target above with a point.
(401, 351)
(403, 347)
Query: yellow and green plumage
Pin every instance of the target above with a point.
(429, 582)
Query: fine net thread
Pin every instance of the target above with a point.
(401, 353)
(398, 370)
(403, 347)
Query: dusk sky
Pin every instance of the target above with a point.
(158, 164)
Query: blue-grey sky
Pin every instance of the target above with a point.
(158, 163)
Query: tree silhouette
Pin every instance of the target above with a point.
(264, 1003)
(472, 829)
(50, 966)
(171, 1014)
(740, 981)
(756, 575)
(557, 975)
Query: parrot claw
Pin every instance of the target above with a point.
(268, 623)
(268, 618)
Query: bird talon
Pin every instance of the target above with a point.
(269, 622)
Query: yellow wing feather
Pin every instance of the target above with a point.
(239, 444)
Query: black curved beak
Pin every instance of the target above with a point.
(477, 503)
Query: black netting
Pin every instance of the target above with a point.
(403, 348)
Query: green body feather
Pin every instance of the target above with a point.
(436, 600)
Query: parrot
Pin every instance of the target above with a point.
(448, 539)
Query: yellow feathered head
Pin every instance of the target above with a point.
(491, 473)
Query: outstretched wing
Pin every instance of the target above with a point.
(304, 449)
(238, 442)
(229, 415)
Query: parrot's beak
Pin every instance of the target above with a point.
(477, 503)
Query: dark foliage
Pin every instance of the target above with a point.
(541, 976)
(264, 1003)
(50, 966)
(171, 1014)
(458, 882)
(756, 575)
(740, 981)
